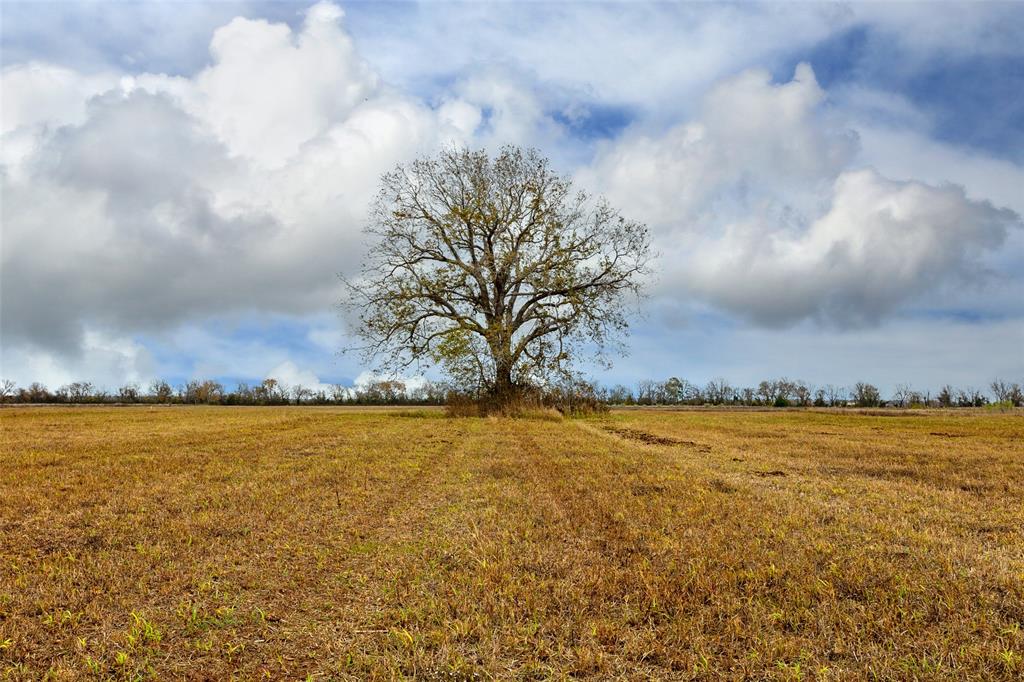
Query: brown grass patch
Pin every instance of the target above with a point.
(281, 543)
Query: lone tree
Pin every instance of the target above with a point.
(494, 269)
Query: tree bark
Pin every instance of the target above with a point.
(504, 389)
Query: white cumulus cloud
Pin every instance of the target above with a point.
(760, 207)
(290, 375)
(880, 243)
(138, 203)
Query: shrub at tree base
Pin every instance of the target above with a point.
(553, 403)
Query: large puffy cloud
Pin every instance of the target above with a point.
(270, 90)
(139, 203)
(40, 96)
(760, 207)
(754, 140)
(37, 94)
(291, 375)
(880, 243)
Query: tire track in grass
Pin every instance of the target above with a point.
(368, 581)
(680, 555)
(601, 502)
(465, 601)
(491, 565)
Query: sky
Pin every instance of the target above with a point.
(835, 190)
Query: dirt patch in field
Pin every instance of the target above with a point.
(652, 439)
(642, 489)
(977, 488)
(770, 474)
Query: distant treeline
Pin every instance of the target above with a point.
(674, 391)
(208, 392)
(789, 393)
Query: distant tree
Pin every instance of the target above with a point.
(1007, 393)
(271, 392)
(494, 270)
(416, 394)
(78, 391)
(393, 391)
(301, 394)
(646, 392)
(620, 395)
(786, 391)
(161, 391)
(901, 396)
(8, 389)
(243, 395)
(674, 388)
(835, 396)
(35, 393)
(129, 393)
(211, 392)
(207, 392)
(664, 393)
(802, 393)
(947, 396)
(339, 393)
(970, 397)
(779, 392)
(866, 395)
(918, 398)
(692, 393)
(718, 391)
(381, 391)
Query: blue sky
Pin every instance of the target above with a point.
(835, 188)
(973, 99)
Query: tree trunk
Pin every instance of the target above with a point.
(504, 389)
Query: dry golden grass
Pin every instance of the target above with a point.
(286, 543)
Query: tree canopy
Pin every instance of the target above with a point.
(494, 269)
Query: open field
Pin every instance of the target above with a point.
(281, 543)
